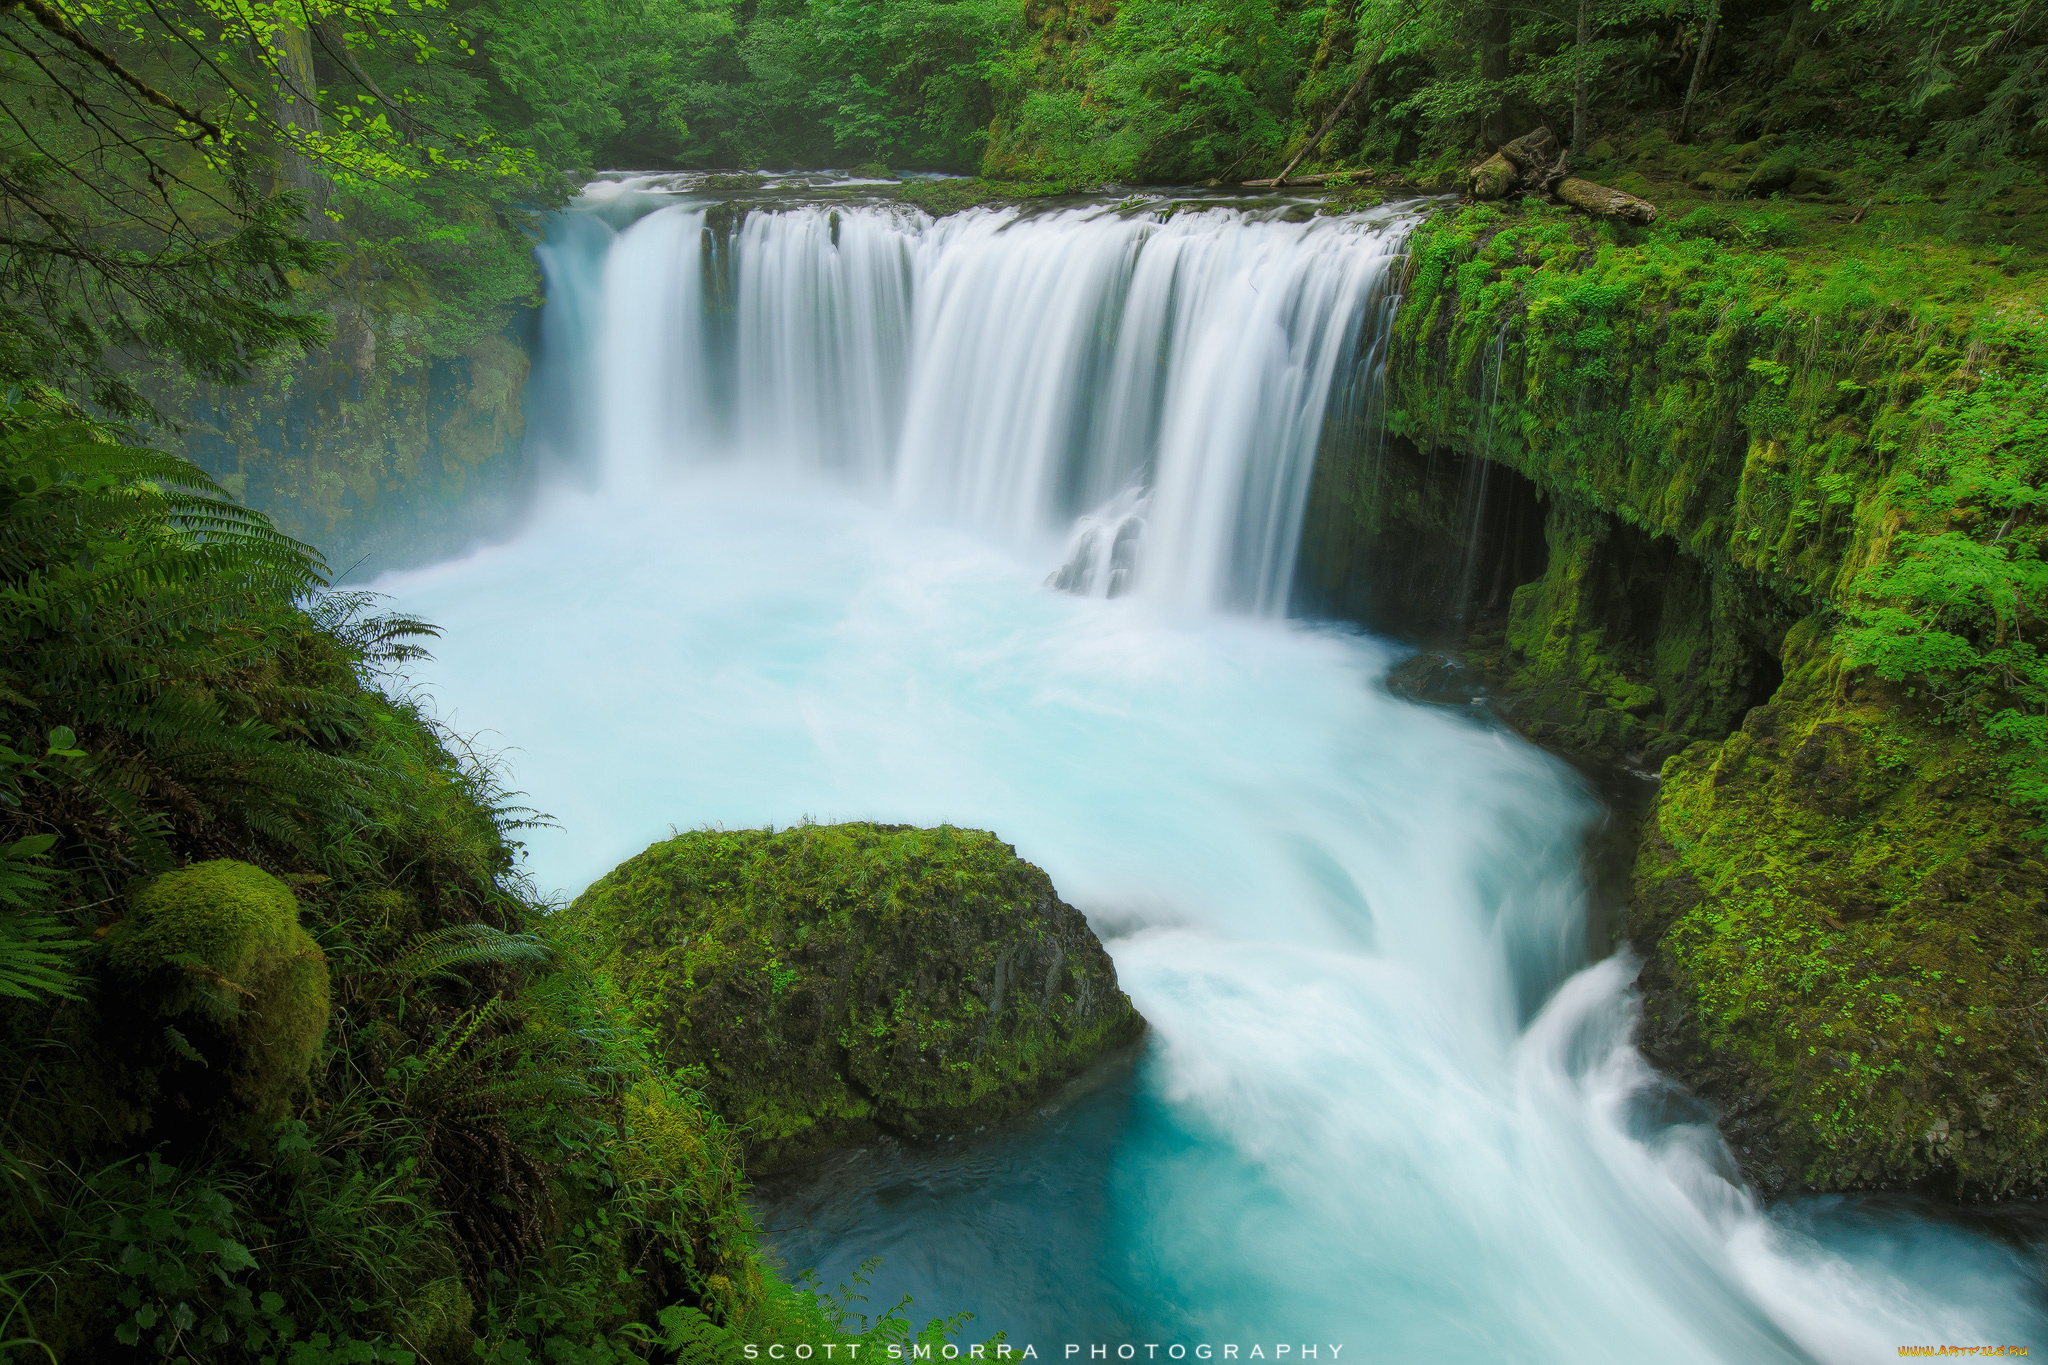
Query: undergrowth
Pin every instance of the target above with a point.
(479, 1158)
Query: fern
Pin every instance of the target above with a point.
(445, 951)
(35, 946)
(695, 1339)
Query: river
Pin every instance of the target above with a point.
(992, 521)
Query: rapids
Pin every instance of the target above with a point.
(819, 479)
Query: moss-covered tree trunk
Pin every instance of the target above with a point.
(295, 104)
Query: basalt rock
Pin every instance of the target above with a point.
(827, 983)
(1841, 919)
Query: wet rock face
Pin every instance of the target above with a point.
(830, 982)
(1438, 679)
(1844, 945)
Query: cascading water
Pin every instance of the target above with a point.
(829, 464)
(1004, 373)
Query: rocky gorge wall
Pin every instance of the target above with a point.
(1756, 470)
(382, 464)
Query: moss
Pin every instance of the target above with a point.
(435, 1322)
(216, 951)
(1625, 650)
(1847, 943)
(831, 982)
(684, 1159)
(951, 195)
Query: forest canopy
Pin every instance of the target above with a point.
(208, 183)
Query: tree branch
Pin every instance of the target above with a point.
(54, 21)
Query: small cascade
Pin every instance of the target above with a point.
(1146, 390)
(1101, 558)
(1478, 476)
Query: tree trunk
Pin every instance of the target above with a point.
(295, 104)
(1496, 32)
(1699, 69)
(1602, 202)
(1579, 82)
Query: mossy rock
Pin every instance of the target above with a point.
(216, 952)
(1778, 173)
(1845, 944)
(832, 982)
(434, 1322)
(1813, 180)
(680, 1154)
(1631, 183)
(1722, 182)
(871, 170)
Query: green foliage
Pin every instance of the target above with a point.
(342, 1095)
(1165, 91)
(34, 946)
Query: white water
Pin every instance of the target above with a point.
(1384, 1103)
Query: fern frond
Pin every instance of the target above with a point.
(35, 946)
(35, 956)
(696, 1339)
(445, 950)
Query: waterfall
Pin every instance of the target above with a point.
(822, 468)
(1144, 396)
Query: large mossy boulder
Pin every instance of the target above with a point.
(837, 981)
(1845, 924)
(214, 955)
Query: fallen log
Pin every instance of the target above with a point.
(1306, 181)
(1495, 178)
(1533, 152)
(1603, 202)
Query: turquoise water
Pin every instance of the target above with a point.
(1386, 1102)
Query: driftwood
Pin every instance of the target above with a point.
(1602, 202)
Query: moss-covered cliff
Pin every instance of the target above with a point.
(828, 982)
(398, 441)
(1846, 945)
(1783, 453)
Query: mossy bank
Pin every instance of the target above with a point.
(1750, 497)
(299, 1066)
(829, 982)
